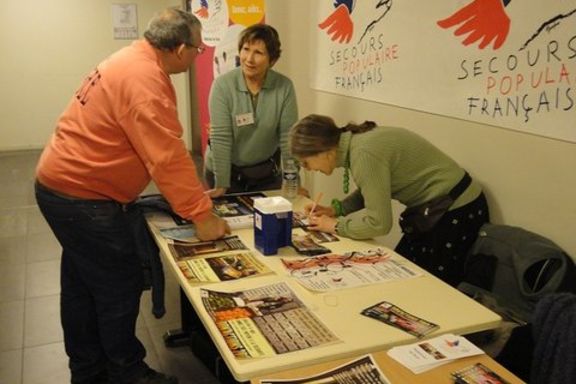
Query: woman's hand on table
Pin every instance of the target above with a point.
(319, 210)
(322, 223)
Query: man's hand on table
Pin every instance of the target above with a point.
(212, 228)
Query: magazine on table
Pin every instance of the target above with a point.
(304, 244)
(477, 374)
(222, 268)
(362, 370)
(237, 209)
(265, 321)
(186, 250)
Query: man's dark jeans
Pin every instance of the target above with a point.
(101, 284)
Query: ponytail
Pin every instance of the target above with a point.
(316, 134)
(359, 128)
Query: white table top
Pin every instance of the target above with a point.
(425, 296)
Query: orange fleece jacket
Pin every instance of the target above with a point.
(121, 130)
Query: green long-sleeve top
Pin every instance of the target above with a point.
(233, 140)
(387, 164)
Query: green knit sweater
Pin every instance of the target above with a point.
(389, 163)
(233, 141)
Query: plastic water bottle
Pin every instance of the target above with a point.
(290, 180)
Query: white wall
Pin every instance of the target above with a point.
(530, 181)
(47, 49)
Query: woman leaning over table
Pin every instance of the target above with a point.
(389, 163)
(251, 111)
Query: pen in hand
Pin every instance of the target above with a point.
(316, 201)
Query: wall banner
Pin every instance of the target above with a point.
(506, 63)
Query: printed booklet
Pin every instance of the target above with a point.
(477, 374)
(237, 209)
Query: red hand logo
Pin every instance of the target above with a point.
(202, 13)
(484, 20)
(339, 24)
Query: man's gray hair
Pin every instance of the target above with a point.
(170, 28)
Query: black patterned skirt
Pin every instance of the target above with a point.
(442, 251)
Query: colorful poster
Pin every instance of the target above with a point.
(265, 321)
(222, 22)
(506, 63)
(335, 271)
(222, 268)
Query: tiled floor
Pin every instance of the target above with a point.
(31, 346)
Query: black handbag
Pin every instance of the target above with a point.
(422, 218)
(258, 173)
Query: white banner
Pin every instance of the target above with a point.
(506, 63)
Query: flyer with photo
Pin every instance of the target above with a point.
(265, 321)
(431, 353)
(222, 268)
(186, 250)
(351, 269)
(362, 370)
(304, 244)
(396, 317)
(237, 209)
(477, 374)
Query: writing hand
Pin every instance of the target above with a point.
(484, 20)
(339, 24)
(322, 223)
(319, 210)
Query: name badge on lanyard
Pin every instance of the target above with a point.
(244, 119)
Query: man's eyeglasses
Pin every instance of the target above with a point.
(200, 49)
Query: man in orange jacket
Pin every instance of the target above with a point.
(119, 132)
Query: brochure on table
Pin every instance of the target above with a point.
(265, 321)
(425, 355)
(349, 269)
(214, 269)
(363, 370)
(237, 209)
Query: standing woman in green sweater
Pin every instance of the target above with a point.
(388, 164)
(251, 111)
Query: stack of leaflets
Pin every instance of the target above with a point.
(425, 355)
(237, 209)
(477, 374)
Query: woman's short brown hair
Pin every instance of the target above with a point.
(263, 32)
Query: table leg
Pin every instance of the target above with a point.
(189, 323)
